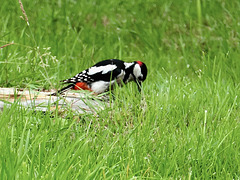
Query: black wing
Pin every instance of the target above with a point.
(108, 75)
(85, 75)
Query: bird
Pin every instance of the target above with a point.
(102, 76)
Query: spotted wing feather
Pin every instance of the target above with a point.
(99, 72)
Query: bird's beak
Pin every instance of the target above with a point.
(139, 84)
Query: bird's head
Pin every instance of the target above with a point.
(139, 73)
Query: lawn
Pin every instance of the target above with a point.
(184, 125)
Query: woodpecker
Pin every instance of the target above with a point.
(103, 75)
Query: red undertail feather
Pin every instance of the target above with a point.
(81, 85)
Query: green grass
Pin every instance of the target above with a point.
(186, 123)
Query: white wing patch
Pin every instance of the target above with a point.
(102, 86)
(103, 69)
(127, 65)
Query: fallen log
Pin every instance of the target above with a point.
(79, 102)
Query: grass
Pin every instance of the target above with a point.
(184, 125)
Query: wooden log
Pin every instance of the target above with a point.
(79, 102)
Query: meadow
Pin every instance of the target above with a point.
(184, 125)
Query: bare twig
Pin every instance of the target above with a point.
(23, 11)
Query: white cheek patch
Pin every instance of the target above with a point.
(103, 69)
(137, 71)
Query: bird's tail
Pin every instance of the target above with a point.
(70, 86)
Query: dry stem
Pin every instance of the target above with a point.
(6, 45)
